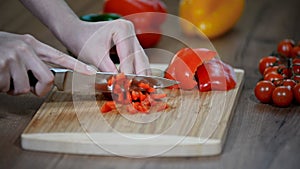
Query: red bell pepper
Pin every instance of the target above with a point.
(215, 75)
(150, 14)
(198, 66)
(184, 65)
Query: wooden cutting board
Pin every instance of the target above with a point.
(196, 124)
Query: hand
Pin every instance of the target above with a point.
(91, 42)
(20, 53)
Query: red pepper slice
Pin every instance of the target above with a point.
(215, 75)
(184, 65)
(137, 96)
(108, 106)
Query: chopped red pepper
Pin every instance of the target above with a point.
(215, 75)
(144, 85)
(198, 66)
(137, 96)
(108, 106)
(184, 65)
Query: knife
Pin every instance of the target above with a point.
(63, 76)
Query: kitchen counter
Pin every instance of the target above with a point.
(260, 136)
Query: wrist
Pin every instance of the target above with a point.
(65, 31)
(56, 15)
(74, 35)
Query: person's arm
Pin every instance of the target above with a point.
(56, 15)
(91, 42)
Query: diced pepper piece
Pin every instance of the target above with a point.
(108, 106)
(151, 90)
(135, 95)
(109, 81)
(144, 85)
(142, 96)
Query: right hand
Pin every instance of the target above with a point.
(20, 53)
(91, 42)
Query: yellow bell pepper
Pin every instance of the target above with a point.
(210, 17)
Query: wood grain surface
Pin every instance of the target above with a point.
(196, 124)
(260, 136)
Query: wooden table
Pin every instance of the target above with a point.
(261, 136)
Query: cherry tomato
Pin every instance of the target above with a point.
(273, 76)
(277, 69)
(263, 91)
(280, 69)
(278, 82)
(289, 41)
(282, 96)
(267, 61)
(271, 69)
(295, 52)
(296, 68)
(296, 92)
(287, 73)
(296, 60)
(283, 72)
(290, 83)
(296, 78)
(296, 63)
(285, 48)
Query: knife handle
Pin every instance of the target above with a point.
(32, 80)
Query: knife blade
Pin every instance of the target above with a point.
(101, 78)
(63, 77)
(156, 81)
